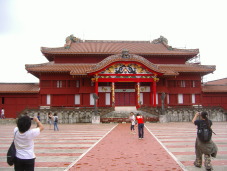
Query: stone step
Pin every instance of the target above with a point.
(125, 109)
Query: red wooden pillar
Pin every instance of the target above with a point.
(154, 93)
(96, 88)
(151, 94)
(96, 84)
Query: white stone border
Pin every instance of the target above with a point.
(171, 154)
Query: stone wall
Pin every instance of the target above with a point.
(187, 114)
(64, 116)
(70, 116)
(67, 116)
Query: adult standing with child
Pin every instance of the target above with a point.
(204, 144)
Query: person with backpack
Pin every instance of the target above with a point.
(55, 118)
(204, 144)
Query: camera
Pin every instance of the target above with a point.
(31, 118)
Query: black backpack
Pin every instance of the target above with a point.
(204, 132)
(56, 119)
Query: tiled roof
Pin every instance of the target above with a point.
(217, 82)
(84, 69)
(19, 87)
(115, 47)
(214, 88)
(188, 67)
(75, 69)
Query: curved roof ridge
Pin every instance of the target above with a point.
(118, 58)
(117, 41)
(38, 65)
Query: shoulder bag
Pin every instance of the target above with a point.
(11, 154)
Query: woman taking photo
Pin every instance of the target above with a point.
(204, 144)
(24, 136)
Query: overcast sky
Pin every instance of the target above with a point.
(27, 25)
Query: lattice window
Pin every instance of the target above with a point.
(182, 83)
(77, 99)
(180, 99)
(48, 99)
(107, 98)
(77, 83)
(193, 98)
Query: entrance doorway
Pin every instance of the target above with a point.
(125, 99)
(125, 94)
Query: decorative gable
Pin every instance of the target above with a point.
(125, 68)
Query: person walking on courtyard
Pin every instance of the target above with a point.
(24, 143)
(204, 144)
(133, 122)
(50, 119)
(38, 116)
(55, 118)
(140, 122)
(2, 113)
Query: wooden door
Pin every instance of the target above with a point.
(125, 99)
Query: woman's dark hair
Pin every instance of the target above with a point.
(24, 123)
(204, 116)
(55, 114)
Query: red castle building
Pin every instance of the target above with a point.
(119, 73)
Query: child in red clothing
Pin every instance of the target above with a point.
(140, 122)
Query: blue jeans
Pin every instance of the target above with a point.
(140, 130)
(56, 126)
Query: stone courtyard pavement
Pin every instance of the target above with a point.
(111, 147)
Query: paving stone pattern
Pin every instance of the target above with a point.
(109, 147)
(56, 150)
(179, 141)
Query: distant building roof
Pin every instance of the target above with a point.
(215, 86)
(222, 81)
(19, 87)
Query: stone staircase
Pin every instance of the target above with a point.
(121, 114)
